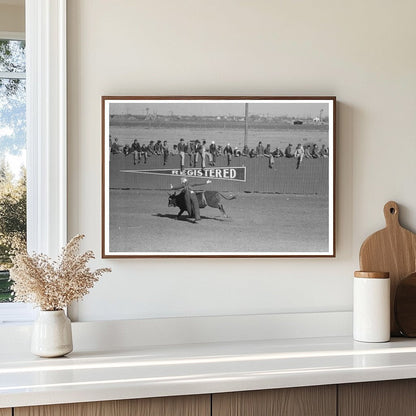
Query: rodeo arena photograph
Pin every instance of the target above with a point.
(217, 177)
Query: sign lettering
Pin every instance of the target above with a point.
(228, 174)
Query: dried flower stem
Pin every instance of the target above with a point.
(53, 285)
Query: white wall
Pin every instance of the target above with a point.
(361, 51)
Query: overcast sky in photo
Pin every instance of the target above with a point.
(306, 109)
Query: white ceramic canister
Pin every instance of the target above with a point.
(371, 322)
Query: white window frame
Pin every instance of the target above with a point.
(46, 125)
(46, 134)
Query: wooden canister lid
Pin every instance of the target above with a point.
(372, 275)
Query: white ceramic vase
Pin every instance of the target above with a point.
(52, 334)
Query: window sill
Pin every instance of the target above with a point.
(16, 313)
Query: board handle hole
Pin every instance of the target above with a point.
(392, 211)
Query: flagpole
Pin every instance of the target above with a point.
(246, 124)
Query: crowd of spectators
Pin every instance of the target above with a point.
(196, 151)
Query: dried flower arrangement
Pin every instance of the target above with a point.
(53, 285)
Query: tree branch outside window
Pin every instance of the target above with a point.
(12, 156)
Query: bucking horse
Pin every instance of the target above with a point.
(205, 198)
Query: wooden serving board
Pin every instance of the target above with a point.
(393, 250)
(405, 306)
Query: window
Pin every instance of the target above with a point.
(12, 164)
(45, 134)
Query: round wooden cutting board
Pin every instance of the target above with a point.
(405, 306)
(393, 250)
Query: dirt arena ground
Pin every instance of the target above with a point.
(141, 221)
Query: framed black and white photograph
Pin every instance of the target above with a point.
(218, 176)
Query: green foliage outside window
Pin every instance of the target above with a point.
(12, 223)
(12, 145)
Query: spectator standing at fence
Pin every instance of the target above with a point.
(213, 153)
(228, 151)
(260, 149)
(299, 154)
(181, 151)
(268, 154)
(135, 149)
(165, 151)
(190, 151)
(204, 154)
(197, 150)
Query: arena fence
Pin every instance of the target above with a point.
(283, 177)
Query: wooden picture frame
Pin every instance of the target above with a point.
(223, 155)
